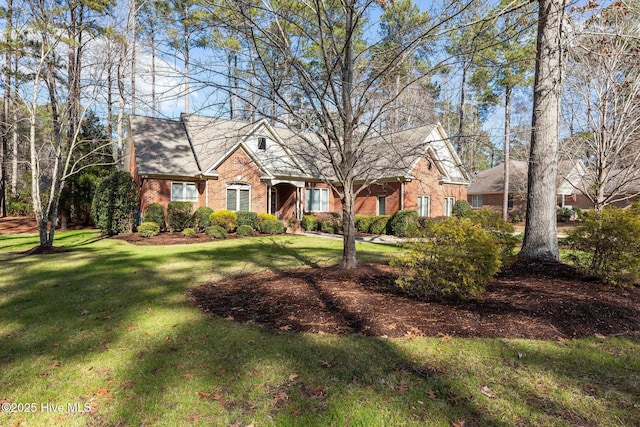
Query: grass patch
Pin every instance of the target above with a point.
(107, 327)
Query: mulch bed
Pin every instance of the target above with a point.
(548, 301)
(166, 239)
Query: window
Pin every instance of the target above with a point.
(424, 205)
(262, 143)
(476, 200)
(316, 200)
(510, 201)
(238, 197)
(184, 192)
(448, 205)
(382, 205)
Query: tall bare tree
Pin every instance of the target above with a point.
(603, 82)
(540, 237)
(317, 52)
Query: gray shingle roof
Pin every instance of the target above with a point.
(162, 147)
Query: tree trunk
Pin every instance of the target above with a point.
(540, 237)
(134, 37)
(507, 159)
(4, 125)
(349, 259)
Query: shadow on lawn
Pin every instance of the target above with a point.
(77, 311)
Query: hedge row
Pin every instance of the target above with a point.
(180, 217)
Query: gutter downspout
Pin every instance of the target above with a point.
(401, 195)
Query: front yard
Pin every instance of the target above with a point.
(109, 328)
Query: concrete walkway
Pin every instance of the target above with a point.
(388, 240)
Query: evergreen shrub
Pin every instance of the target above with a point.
(179, 215)
(455, 260)
(272, 226)
(247, 218)
(462, 209)
(607, 246)
(225, 219)
(216, 232)
(154, 213)
(309, 223)
(200, 218)
(379, 224)
(114, 204)
(189, 232)
(149, 229)
(401, 221)
(245, 230)
(362, 223)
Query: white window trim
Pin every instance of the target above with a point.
(238, 186)
(453, 202)
(319, 189)
(184, 184)
(474, 201)
(428, 198)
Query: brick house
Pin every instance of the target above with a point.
(487, 188)
(242, 166)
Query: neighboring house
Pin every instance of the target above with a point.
(487, 188)
(244, 166)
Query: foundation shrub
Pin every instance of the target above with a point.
(247, 218)
(148, 229)
(455, 261)
(245, 230)
(379, 224)
(265, 217)
(189, 232)
(272, 226)
(608, 246)
(402, 221)
(462, 209)
(309, 223)
(216, 232)
(329, 222)
(154, 213)
(114, 204)
(200, 220)
(563, 214)
(226, 219)
(362, 223)
(179, 215)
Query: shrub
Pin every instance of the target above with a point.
(293, 224)
(114, 203)
(265, 217)
(309, 223)
(610, 245)
(462, 209)
(379, 224)
(401, 221)
(200, 218)
(245, 230)
(216, 232)
(563, 214)
(179, 215)
(362, 223)
(457, 260)
(272, 226)
(248, 218)
(225, 219)
(149, 229)
(19, 205)
(329, 222)
(154, 213)
(189, 232)
(499, 230)
(578, 214)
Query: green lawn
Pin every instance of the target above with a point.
(108, 327)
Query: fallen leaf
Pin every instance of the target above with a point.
(297, 412)
(487, 392)
(285, 328)
(187, 376)
(457, 424)
(194, 419)
(325, 363)
(589, 390)
(84, 312)
(129, 384)
(318, 392)
(293, 377)
(280, 397)
(102, 391)
(431, 394)
(55, 364)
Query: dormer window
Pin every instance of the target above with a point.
(262, 143)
